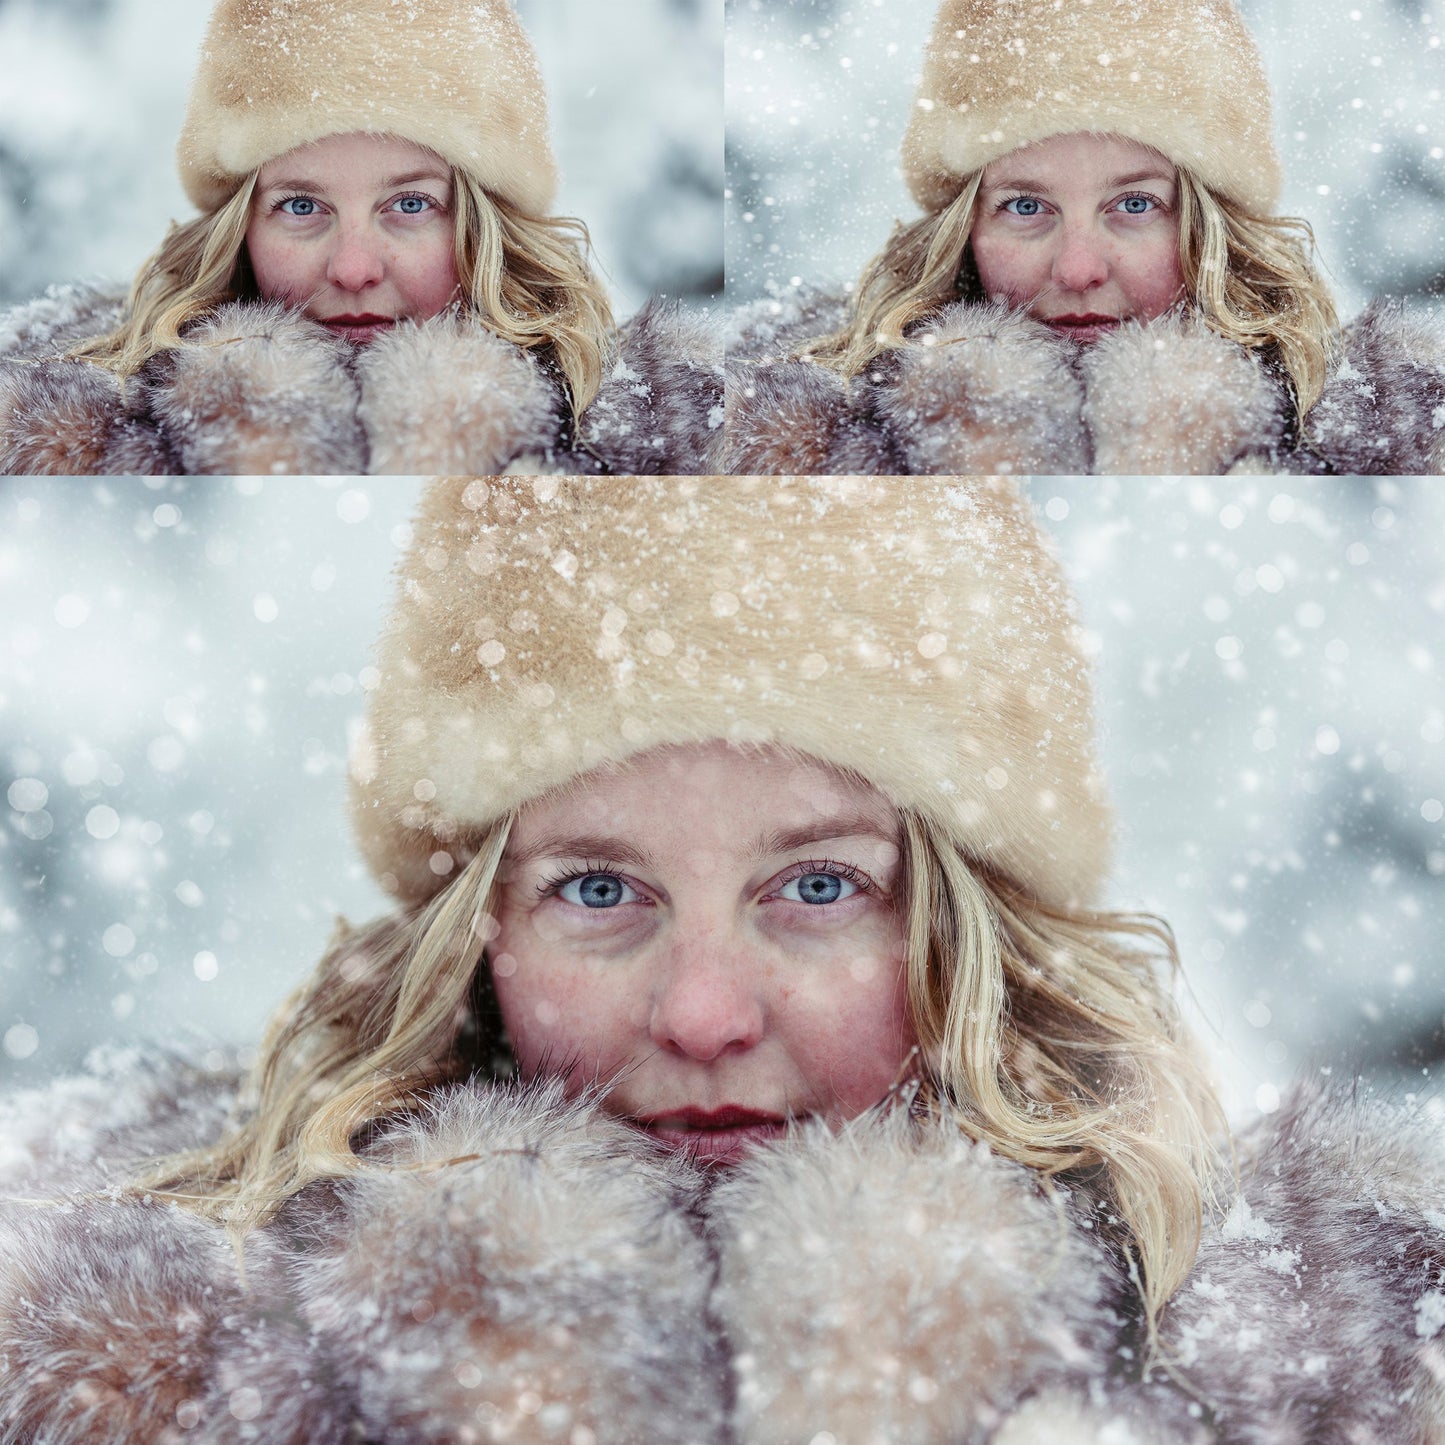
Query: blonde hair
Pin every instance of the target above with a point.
(1045, 1033)
(1250, 278)
(525, 278)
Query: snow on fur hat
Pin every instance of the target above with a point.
(457, 76)
(1183, 76)
(918, 633)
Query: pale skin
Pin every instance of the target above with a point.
(1081, 231)
(712, 935)
(356, 230)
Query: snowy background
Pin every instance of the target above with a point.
(819, 91)
(182, 663)
(95, 93)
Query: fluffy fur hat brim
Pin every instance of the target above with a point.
(1183, 76)
(458, 78)
(916, 633)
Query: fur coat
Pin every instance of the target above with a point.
(258, 388)
(515, 1267)
(984, 389)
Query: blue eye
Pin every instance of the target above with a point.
(596, 890)
(818, 888)
(1024, 205)
(1138, 205)
(413, 205)
(298, 206)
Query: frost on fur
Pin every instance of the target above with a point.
(797, 418)
(122, 1322)
(447, 395)
(659, 408)
(1299, 1321)
(520, 1263)
(1383, 407)
(1172, 396)
(258, 389)
(982, 389)
(836, 1328)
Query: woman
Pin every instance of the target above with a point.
(840, 1109)
(1100, 281)
(375, 281)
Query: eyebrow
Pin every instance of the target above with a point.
(841, 825)
(582, 845)
(1132, 178)
(408, 179)
(764, 845)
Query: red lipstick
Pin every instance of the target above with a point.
(363, 328)
(1089, 326)
(713, 1136)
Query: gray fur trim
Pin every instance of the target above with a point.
(513, 1256)
(1382, 411)
(1169, 396)
(508, 1259)
(447, 396)
(660, 407)
(256, 388)
(123, 1322)
(833, 1325)
(984, 389)
(67, 418)
(799, 418)
(1175, 397)
(1315, 1307)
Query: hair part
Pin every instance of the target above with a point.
(1252, 279)
(525, 278)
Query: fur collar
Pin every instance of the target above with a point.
(981, 388)
(258, 389)
(515, 1266)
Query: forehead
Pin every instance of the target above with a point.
(1081, 158)
(707, 791)
(356, 156)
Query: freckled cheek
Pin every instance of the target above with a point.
(563, 1009)
(1005, 269)
(282, 272)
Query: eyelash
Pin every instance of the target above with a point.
(283, 201)
(552, 885)
(557, 882)
(861, 881)
(1006, 201)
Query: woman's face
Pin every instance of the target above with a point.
(356, 230)
(1081, 230)
(715, 934)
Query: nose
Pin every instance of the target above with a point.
(708, 1002)
(1080, 263)
(356, 260)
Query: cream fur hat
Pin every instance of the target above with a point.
(456, 76)
(919, 633)
(1183, 76)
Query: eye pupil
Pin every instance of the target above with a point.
(600, 890)
(820, 887)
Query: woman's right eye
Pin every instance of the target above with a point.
(596, 890)
(298, 206)
(1024, 206)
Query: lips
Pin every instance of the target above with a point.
(713, 1136)
(1089, 326)
(362, 328)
